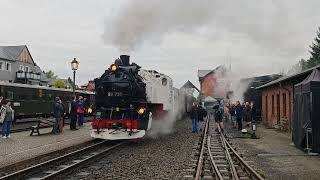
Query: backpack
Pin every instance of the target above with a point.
(80, 110)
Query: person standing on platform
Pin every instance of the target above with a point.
(80, 111)
(73, 114)
(253, 119)
(58, 112)
(239, 115)
(233, 115)
(194, 117)
(7, 114)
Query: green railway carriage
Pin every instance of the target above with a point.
(37, 101)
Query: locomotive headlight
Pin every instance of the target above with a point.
(141, 111)
(114, 67)
(90, 110)
(117, 109)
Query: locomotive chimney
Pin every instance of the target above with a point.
(125, 59)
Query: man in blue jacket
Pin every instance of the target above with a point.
(80, 111)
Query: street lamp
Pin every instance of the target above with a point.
(74, 67)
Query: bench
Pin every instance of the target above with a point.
(43, 123)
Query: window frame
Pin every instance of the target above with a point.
(27, 67)
(10, 65)
(272, 105)
(21, 69)
(284, 103)
(2, 68)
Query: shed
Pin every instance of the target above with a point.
(307, 112)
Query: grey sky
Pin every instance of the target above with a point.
(256, 37)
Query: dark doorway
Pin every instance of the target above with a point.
(278, 109)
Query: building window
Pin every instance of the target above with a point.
(1, 65)
(27, 68)
(164, 81)
(284, 99)
(272, 104)
(8, 66)
(266, 107)
(21, 68)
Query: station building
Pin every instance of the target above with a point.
(214, 83)
(18, 66)
(278, 100)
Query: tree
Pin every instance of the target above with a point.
(50, 74)
(58, 83)
(314, 59)
(70, 82)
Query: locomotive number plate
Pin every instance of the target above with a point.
(114, 94)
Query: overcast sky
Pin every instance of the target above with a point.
(177, 37)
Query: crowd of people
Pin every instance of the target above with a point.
(236, 112)
(76, 110)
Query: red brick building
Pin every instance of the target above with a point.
(278, 100)
(213, 82)
(88, 86)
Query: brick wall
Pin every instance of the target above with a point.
(277, 106)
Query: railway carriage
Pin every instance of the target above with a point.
(36, 101)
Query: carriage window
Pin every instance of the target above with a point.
(10, 95)
(164, 81)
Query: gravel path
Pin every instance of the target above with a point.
(163, 158)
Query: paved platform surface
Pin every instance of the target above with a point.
(277, 157)
(21, 146)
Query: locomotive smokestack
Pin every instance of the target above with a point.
(125, 59)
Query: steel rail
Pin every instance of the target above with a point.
(35, 168)
(200, 160)
(213, 164)
(245, 165)
(228, 156)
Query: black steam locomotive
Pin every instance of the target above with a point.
(121, 103)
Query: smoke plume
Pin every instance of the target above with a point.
(143, 20)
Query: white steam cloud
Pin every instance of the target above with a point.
(143, 20)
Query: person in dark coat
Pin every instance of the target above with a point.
(233, 115)
(80, 111)
(8, 118)
(253, 112)
(202, 113)
(239, 115)
(58, 112)
(218, 115)
(73, 114)
(194, 117)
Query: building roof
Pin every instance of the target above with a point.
(11, 52)
(287, 78)
(189, 84)
(202, 73)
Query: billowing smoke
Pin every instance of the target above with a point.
(162, 126)
(143, 20)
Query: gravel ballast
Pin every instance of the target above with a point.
(164, 157)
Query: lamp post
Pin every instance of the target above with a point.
(74, 66)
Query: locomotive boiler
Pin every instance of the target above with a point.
(128, 99)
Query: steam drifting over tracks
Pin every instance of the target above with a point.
(217, 159)
(57, 167)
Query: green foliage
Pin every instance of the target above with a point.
(50, 74)
(58, 83)
(314, 59)
(70, 82)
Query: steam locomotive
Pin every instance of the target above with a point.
(129, 98)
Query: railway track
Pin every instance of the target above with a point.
(57, 167)
(217, 159)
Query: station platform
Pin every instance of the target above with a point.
(21, 146)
